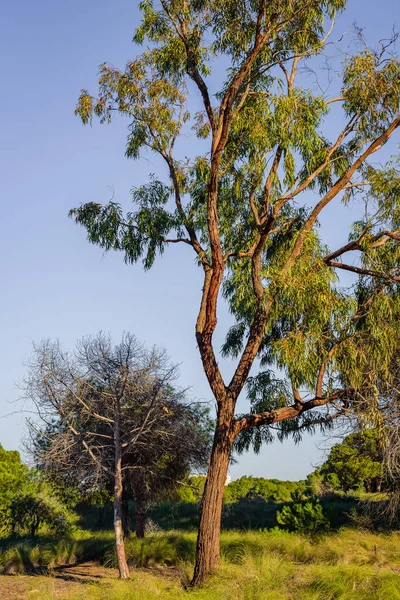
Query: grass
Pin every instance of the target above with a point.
(33, 555)
(264, 565)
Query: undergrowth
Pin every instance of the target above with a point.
(269, 575)
(347, 547)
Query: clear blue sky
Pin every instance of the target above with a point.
(53, 283)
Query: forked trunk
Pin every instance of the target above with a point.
(118, 528)
(208, 538)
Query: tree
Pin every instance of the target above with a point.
(357, 461)
(109, 413)
(177, 444)
(386, 419)
(37, 506)
(14, 475)
(271, 490)
(180, 446)
(26, 500)
(249, 208)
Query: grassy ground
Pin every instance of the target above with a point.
(274, 565)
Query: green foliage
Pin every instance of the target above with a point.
(29, 503)
(319, 483)
(356, 462)
(307, 516)
(246, 488)
(242, 204)
(367, 90)
(271, 490)
(275, 565)
(14, 475)
(32, 510)
(191, 491)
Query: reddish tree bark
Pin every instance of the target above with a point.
(208, 538)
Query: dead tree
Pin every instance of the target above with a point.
(107, 412)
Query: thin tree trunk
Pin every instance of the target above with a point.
(100, 518)
(140, 519)
(118, 488)
(126, 519)
(208, 538)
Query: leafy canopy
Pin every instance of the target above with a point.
(250, 204)
(357, 461)
(13, 475)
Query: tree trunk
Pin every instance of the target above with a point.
(208, 538)
(126, 519)
(100, 518)
(140, 519)
(118, 488)
(33, 529)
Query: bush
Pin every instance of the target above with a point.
(31, 510)
(14, 475)
(305, 516)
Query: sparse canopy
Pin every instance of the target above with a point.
(250, 203)
(110, 417)
(172, 439)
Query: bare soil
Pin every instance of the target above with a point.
(62, 580)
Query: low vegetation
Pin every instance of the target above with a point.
(265, 565)
(281, 540)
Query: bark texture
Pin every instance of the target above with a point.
(118, 492)
(208, 538)
(126, 519)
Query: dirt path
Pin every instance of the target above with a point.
(62, 580)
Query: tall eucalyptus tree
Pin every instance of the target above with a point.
(249, 207)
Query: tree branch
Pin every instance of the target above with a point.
(338, 187)
(288, 412)
(191, 67)
(362, 271)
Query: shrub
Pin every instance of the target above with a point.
(305, 516)
(14, 475)
(31, 510)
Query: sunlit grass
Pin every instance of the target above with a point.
(347, 547)
(270, 565)
(265, 577)
(19, 555)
